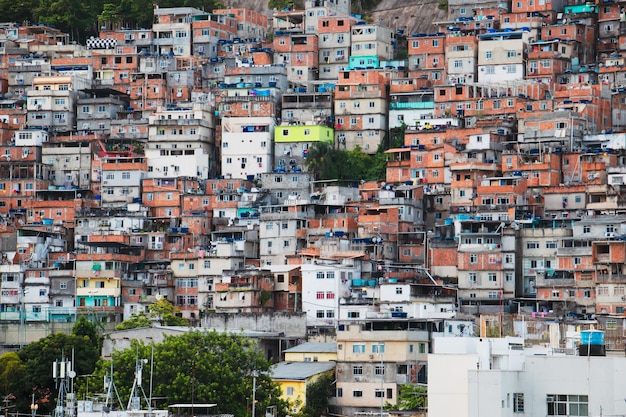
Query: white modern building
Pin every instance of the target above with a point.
(247, 146)
(471, 377)
(324, 283)
(181, 142)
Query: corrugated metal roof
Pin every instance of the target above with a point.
(299, 371)
(314, 348)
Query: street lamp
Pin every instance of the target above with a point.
(33, 407)
(255, 374)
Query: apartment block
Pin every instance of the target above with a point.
(334, 40)
(299, 53)
(52, 102)
(361, 110)
(181, 142)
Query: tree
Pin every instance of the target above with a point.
(135, 321)
(166, 313)
(412, 397)
(18, 11)
(317, 395)
(161, 311)
(318, 159)
(280, 4)
(38, 358)
(11, 371)
(326, 162)
(202, 367)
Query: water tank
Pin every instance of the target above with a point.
(591, 343)
(592, 337)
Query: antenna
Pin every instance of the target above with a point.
(134, 402)
(63, 375)
(109, 384)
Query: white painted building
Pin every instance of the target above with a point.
(324, 282)
(472, 377)
(247, 146)
(501, 56)
(181, 142)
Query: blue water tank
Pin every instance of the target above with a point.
(592, 337)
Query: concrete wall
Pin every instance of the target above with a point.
(293, 325)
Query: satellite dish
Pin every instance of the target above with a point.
(71, 374)
(79, 195)
(8, 95)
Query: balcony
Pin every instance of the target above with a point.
(418, 105)
(97, 292)
(235, 99)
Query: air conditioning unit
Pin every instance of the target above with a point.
(357, 379)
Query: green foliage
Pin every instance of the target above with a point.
(166, 313)
(11, 371)
(88, 330)
(162, 311)
(135, 321)
(83, 348)
(265, 297)
(326, 163)
(217, 367)
(317, 395)
(442, 5)
(83, 18)
(280, 4)
(412, 397)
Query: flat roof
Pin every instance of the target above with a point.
(312, 347)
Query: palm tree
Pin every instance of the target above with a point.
(319, 160)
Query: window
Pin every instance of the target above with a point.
(379, 370)
(473, 258)
(568, 405)
(357, 393)
(358, 348)
(578, 260)
(320, 275)
(357, 370)
(488, 54)
(492, 277)
(378, 348)
(518, 402)
(319, 295)
(472, 277)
